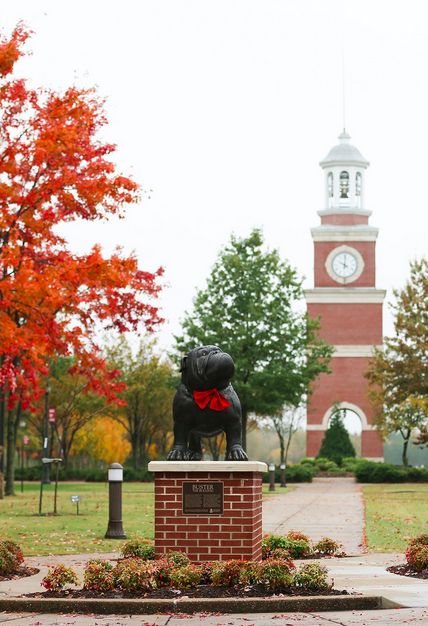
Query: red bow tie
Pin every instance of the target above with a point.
(211, 397)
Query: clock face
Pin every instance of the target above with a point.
(344, 264)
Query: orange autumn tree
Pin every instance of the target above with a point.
(105, 439)
(54, 168)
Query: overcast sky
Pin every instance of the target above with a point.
(224, 109)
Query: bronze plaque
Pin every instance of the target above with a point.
(203, 498)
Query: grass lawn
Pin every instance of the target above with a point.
(394, 514)
(68, 533)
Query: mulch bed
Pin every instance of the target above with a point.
(406, 570)
(202, 591)
(21, 572)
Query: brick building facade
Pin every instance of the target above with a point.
(345, 297)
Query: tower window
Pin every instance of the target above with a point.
(358, 180)
(344, 184)
(330, 185)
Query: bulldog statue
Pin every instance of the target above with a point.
(205, 405)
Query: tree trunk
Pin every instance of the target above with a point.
(2, 418)
(282, 448)
(134, 450)
(12, 421)
(405, 446)
(244, 427)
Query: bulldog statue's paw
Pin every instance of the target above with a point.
(178, 453)
(236, 453)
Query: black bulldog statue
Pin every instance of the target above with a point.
(205, 405)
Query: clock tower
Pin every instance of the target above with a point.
(345, 298)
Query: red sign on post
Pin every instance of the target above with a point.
(52, 416)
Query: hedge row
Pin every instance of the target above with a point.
(293, 474)
(372, 472)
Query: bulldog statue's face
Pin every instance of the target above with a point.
(207, 367)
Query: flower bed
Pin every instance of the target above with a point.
(173, 576)
(139, 574)
(416, 555)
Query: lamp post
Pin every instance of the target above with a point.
(271, 477)
(45, 451)
(283, 478)
(115, 480)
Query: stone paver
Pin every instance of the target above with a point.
(331, 507)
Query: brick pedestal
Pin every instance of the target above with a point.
(236, 533)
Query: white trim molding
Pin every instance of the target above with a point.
(349, 250)
(378, 459)
(345, 295)
(355, 350)
(344, 211)
(330, 232)
(350, 407)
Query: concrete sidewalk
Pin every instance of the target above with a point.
(331, 507)
(413, 617)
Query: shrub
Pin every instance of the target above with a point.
(207, 570)
(372, 472)
(163, 572)
(336, 444)
(296, 548)
(325, 465)
(421, 540)
(307, 461)
(138, 547)
(313, 577)
(58, 577)
(136, 574)
(327, 546)
(417, 553)
(275, 574)
(417, 557)
(11, 557)
(8, 564)
(186, 577)
(298, 474)
(279, 553)
(15, 550)
(297, 535)
(177, 559)
(350, 463)
(227, 573)
(98, 575)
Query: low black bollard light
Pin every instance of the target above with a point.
(283, 478)
(115, 480)
(271, 477)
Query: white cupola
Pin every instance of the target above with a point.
(344, 168)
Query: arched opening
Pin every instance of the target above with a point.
(330, 189)
(358, 184)
(352, 422)
(344, 184)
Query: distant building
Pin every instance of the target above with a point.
(345, 297)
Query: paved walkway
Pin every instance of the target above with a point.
(412, 617)
(331, 507)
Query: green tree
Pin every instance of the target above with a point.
(76, 405)
(249, 309)
(398, 375)
(150, 387)
(336, 444)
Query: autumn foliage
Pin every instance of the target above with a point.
(55, 169)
